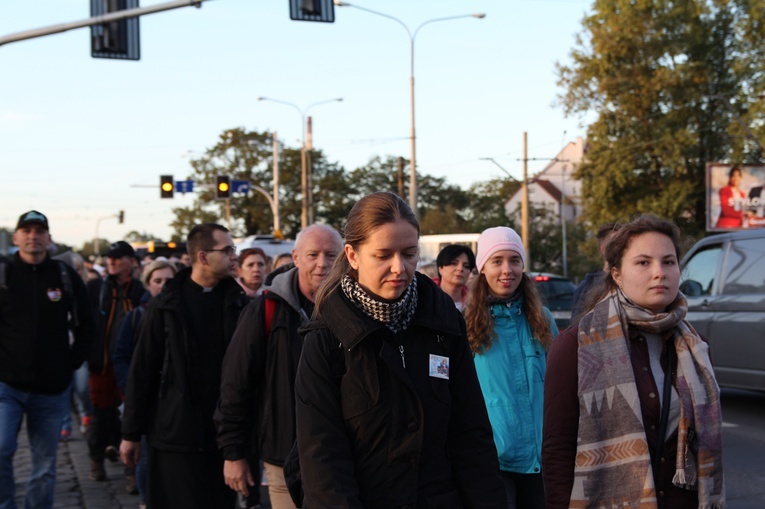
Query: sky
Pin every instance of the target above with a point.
(82, 138)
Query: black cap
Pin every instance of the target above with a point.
(32, 217)
(120, 249)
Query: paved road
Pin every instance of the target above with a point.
(744, 448)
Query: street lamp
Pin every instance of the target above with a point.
(412, 35)
(306, 216)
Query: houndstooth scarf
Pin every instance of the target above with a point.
(613, 465)
(395, 315)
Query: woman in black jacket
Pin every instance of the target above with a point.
(389, 410)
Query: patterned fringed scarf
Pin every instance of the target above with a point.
(613, 463)
(395, 315)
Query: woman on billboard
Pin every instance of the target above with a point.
(732, 200)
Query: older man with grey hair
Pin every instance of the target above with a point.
(260, 366)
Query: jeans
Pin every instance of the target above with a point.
(43, 417)
(80, 391)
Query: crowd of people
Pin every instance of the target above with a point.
(354, 379)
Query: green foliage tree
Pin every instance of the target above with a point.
(670, 95)
(487, 204)
(87, 249)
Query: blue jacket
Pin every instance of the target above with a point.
(512, 374)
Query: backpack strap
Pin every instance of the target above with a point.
(66, 281)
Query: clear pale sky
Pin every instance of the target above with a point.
(77, 134)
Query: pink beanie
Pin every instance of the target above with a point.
(499, 238)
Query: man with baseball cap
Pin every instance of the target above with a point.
(112, 299)
(41, 300)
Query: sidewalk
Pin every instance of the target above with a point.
(74, 490)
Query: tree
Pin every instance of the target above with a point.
(664, 80)
(244, 155)
(487, 204)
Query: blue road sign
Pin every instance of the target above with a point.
(240, 186)
(184, 186)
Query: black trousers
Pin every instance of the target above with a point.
(104, 431)
(187, 480)
(524, 491)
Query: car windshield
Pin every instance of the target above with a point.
(552, 289)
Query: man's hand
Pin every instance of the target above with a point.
(237, 475)
(130, 452)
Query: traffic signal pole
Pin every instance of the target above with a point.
(99, 20)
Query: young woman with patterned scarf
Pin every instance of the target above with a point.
(389, 410)
(509, 332)
(632, 408)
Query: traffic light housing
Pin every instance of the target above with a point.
(166, 186)
(222, 187)
(121, 216)
(115, 39)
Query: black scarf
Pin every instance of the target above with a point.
(395, 315)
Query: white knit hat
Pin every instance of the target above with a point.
(499, 238)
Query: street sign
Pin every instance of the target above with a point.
(240, 186)
(184, 186)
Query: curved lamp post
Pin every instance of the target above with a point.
(412, 137)
(306, 216)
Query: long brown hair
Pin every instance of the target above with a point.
(480, 324)
(368, 214)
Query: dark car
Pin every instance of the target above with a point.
(557, 292)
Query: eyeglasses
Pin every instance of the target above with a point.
(228, 250)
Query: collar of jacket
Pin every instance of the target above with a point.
(20, 263)
(435, 311)
(286, 286)
(170, 295)
(511, 308)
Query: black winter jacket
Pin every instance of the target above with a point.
(109, 314)
(35, 354)
(401, 427)
(161, 399)
(259, 376)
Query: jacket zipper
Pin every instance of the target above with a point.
(401, 351)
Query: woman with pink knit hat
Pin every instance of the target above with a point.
(509, 332)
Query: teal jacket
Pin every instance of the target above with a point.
(512, 375)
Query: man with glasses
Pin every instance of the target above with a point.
(174, 380)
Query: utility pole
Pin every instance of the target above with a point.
(309, 167)
(400, 176)
(277, 227)
(99, 20)
(525, 201)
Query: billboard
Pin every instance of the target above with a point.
(735, 196)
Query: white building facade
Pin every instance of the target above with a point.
(554, 188)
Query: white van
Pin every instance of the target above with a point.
(270, 245)
(431, 245)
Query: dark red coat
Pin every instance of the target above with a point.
(561, 422)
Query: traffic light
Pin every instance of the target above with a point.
(312, 10)
(115, 39)
(222, 187)
(166, 186)
(121, 216)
